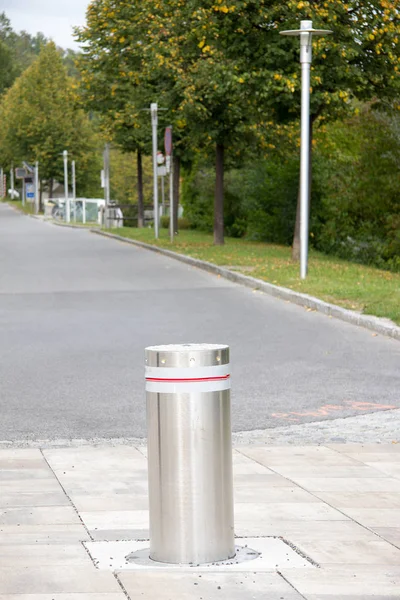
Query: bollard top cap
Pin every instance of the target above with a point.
(187, 355)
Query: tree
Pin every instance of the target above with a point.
(39, 119)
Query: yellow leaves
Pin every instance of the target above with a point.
(300, 5)
(206, 49)
(122, 40)
(241, 80)
(371, 36)
(277, 76)
(224, 9)
(201, 44)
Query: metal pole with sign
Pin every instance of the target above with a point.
(67, 206)
(154, 123)
(12, 181)
(106, 169)
(73, 188)
(306, 33)
(168, 152)
(36, 187)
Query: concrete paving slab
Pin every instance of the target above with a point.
(22, 463)
(389, 468)
(34, 499)
(346, 580)
(53, 580)
(375, 517)
(365, 448)
(259, 480)
(21, 454)
(89, 596)
(360, 552)
(307, 456)
(349, 484)
(30, 485)
(113, 535)
(39, 515)
(299, 531)
(285, 511)
(42, 534)
(44, 554)
(270, 554)
(390, 534)
(122, 519)
(344, 500)
(120, 502)
(22, 474)
(267, 495)
(296, 472)
(212, 586)
(376, 457)
(89, 457)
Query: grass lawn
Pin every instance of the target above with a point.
(357, 287)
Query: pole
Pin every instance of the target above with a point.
(162, 196)
(73, 188)
(12, 181)
(23, 192)
(189, 453)
(67, 206)
(106, 159)
(154, 122)
(83, 211)
(36, 187)
(305, 60)
(171, 200)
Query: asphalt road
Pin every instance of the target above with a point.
(77, 311)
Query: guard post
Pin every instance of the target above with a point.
(189, 453)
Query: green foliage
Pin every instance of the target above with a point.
(183, 223)
(39, 119)
(358, 166)
(123, 177)
(19, 50)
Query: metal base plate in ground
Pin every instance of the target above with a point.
(252, 554)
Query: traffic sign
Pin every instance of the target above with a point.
(21, 173)
(168, 141)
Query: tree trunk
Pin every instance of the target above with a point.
(176, 176)
(51, 185)
(140, 189)
(219, 196)
(296, 236)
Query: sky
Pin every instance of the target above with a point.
(54, 18)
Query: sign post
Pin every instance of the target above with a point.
(12, 182)
(74, 188)
(36, 188)
(67, 206)
(154, 123)
(168, 152)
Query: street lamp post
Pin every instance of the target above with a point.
(305, 32)
(67, 207)
(154, 122)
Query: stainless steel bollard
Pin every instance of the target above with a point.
(189, 453)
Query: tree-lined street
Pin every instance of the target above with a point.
(77, 311)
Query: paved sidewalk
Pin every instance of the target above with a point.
(337, 505)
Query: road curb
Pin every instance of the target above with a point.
(376, 324)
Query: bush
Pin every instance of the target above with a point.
(183, 223)
(359, 216)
